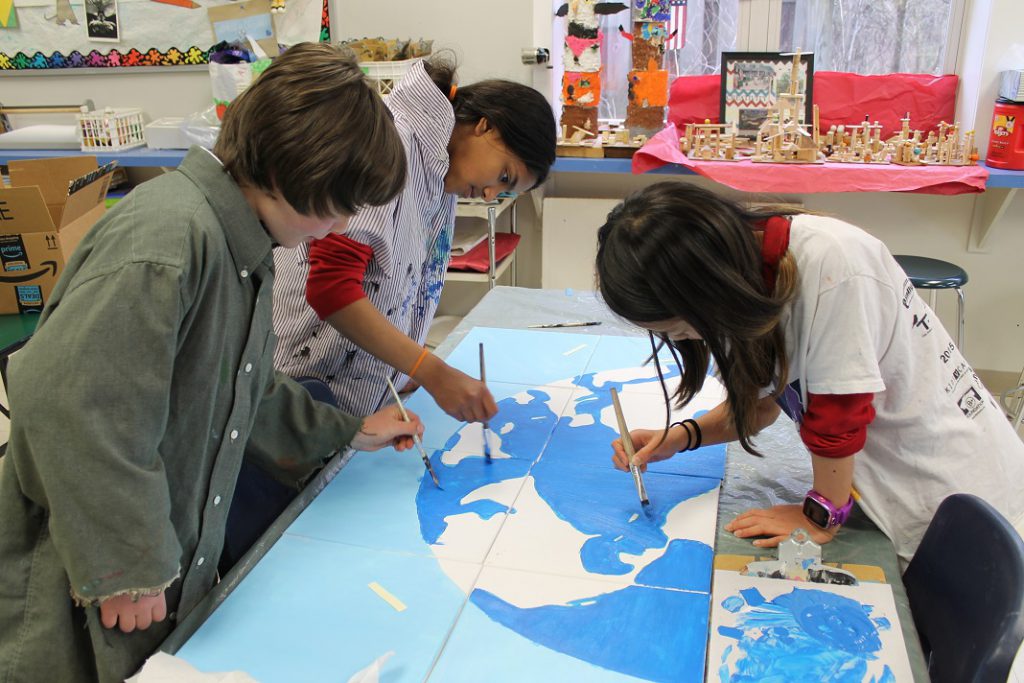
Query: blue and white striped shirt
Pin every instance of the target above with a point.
(411, 241)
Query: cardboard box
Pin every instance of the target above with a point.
(41, 224)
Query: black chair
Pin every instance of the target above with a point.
(966, 591)
(933, 274)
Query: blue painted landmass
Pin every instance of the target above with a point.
(535, 421)
(601, 503)
(668, 647)
(803, 635)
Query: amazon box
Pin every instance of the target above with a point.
(49, 207)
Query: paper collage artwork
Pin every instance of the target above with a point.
(771, 629)
(532, 567)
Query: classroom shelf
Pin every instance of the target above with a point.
(998, 178)
(131, 157)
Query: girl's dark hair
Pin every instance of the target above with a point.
(520, 114)
(677, 251)
(313, 129)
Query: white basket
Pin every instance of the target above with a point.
(111, 130)
(386, 75)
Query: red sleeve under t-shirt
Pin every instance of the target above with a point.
(337, 269)
(836, 425)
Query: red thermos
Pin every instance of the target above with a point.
(1006, 140)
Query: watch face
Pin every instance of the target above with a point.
(817, 513)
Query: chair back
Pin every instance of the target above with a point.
(966, 590)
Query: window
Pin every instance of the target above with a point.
(870, 36)
(701, 30)
(862, 36)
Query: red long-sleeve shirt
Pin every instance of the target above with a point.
(337, 269)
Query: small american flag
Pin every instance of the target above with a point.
(677, 26)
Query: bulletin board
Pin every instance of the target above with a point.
(64, 34)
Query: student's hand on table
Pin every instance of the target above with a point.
(777, 523)
(646, 447)
(465, 398)
(387, 427)
(121, 611)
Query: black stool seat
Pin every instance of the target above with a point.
(930, 273)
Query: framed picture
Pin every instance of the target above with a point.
(751, 83)
(101, 20)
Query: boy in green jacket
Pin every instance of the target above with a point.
(150, 375)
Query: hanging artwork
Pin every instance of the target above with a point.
(164, 34)
(101, 20)
(8, 15)
(774, 629)
(544, 554)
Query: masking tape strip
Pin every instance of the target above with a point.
(387, 596)
(572, 351)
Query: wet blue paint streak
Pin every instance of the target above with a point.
(673, 624)
(599, 502)
(469, 474)
(684, 565)
(806, 634)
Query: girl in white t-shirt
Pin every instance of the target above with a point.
(813, 316)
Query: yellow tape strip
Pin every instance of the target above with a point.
(387, 596)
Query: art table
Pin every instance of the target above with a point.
(480, 593)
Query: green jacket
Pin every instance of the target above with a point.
(149, 376)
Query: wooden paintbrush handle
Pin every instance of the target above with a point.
(627, 442)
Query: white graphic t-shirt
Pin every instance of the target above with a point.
(858, 326)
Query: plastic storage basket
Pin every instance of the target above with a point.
(111, 130)
(386, 75)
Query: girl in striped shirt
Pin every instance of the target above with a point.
(355, 309)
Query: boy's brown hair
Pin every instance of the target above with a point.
(312, 129)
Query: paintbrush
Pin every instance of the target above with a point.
(627, 445)
(487, 427)
(415, 437)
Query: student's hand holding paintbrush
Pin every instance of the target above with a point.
(465, 398)
(649, 447)
(387, 427)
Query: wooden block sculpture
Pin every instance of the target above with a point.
(648, 81)
(581, 84)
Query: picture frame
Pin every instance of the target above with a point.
(101, 21)
(751, 82)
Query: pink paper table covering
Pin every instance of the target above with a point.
(748, 176)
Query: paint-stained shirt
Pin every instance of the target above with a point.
(148, 378)
(858, 326)
(411, 243)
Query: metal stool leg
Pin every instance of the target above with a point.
(960, 318)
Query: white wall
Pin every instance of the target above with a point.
(925, 225)
(990, 29)
(159, 91)
(486, 35)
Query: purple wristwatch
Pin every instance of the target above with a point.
(823, 513)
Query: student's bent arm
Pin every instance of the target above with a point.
(461, 396)
(716, 426)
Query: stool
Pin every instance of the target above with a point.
(933, 274)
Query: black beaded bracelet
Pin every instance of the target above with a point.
(694, 438)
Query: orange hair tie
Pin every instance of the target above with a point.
(451, 93)
(419, 361)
